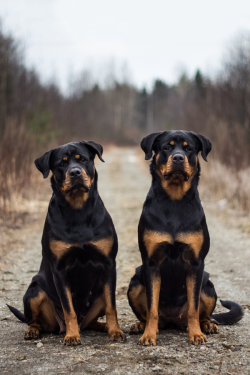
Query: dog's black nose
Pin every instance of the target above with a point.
(178, 158)
(75, 172)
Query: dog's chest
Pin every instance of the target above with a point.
(184, 245)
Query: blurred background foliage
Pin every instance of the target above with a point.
(35, 116)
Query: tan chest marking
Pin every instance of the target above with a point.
(77, 200)
(152, 239)
(103, 245)
(193, 239)
(59, 248)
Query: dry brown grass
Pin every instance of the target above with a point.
(21, 184)
(26, 193)
(219, 182)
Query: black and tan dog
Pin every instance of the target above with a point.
(171, 286)
(77, 278)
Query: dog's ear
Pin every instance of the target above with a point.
(205, 146)
(147, 144)
(43, 163)
(94, 147)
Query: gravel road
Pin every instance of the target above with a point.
(123, 184)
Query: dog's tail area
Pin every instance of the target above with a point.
(17, 313)
(231, 317)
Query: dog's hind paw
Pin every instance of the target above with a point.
(32, 333)
(137, 328)
(117, 335)
(209, 327)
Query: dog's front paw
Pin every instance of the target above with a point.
(137, 328)
(147, 339)
(72, 340)
(117, 335)
(32, 333)
(196, 338)
(209, 327)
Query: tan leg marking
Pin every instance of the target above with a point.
(151, 329)
(194, 331)
(207, 305)
(96, 310)
(115, 333)
(43, 316)
(72, 330)
(137, 297)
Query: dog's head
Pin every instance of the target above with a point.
(176, 154)
(73, 170)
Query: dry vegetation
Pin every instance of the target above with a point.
(35, 117)
(225, 184)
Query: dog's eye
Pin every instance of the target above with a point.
(83, 160)
(188, 148)
(168, 148)
(62, 164)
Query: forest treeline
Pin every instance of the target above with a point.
(35, 116)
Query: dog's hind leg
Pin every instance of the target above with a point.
(91, 320)
(208, 299)
(138, 302)
(39, 312)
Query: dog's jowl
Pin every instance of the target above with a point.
(77, 278)
(171, 287)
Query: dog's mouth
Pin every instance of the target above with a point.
(76, 185)
(176, 176)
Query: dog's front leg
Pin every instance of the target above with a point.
(193, 284)
(152, 280)
(114, 331)
(72, 329)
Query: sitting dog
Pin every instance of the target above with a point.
(77, 278)
(171, 286)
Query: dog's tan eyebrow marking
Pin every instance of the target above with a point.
(77, 156)
(171, 143)
(65, 158)
(185, 143)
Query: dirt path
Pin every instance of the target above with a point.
(123, 184)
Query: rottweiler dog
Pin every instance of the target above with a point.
(171, 287)
(77, 278)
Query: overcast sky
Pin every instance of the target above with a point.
(142, 39)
